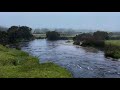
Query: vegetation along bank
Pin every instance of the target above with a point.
(100, 40)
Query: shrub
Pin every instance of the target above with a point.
(95, 40)
(52, 35)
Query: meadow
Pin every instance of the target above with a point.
(18, 64)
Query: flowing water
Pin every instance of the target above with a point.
(82, 62)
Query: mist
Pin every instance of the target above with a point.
(107, 21)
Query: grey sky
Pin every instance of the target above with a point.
(77, 20)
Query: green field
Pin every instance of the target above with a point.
(18, 64)
(113, 42)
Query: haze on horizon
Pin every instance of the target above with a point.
(75, 20)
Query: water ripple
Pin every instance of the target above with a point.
(81, 62)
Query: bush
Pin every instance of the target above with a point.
(94, 43)
(52, 35)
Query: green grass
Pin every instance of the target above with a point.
(113, 42)
(112, 48)
(18, 64)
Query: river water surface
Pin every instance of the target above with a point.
(82, 62)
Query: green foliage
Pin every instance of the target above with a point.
(18, 64)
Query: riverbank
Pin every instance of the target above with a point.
(111, 48)
(18, 64)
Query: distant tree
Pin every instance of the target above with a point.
(52, 35)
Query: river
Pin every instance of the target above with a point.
(82, 62)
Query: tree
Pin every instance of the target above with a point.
(52, 35)
(17, 33)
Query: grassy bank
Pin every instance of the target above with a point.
(18, 64)
(113, 42)
(112, 48)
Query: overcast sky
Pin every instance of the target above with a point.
(77, 20)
